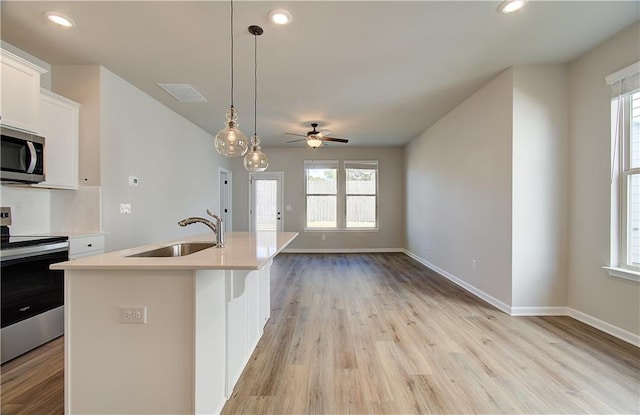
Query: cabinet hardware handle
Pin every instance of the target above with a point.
(25, 308)
(89, 244)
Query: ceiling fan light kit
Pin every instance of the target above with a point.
(256, 159)
(315, 138)
(230, 141)
(314, 142)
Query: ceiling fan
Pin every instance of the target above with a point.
(317, 138)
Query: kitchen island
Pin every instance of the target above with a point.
(165, 335)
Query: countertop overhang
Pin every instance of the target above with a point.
(242, 251)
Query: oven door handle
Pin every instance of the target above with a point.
(31, 251)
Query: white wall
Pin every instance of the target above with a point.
(559, 197)
(127, 133)
(591, 291)
(458, 186)
(290, 161)
(174, 160)
(540, 174)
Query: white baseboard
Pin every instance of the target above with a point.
(601, 325)
(473, 290)
(342, 250)
(540, 311)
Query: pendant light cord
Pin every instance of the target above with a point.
(255, 84)
(231, 53)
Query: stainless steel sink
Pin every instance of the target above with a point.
(176, 250)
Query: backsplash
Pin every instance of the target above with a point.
(29, 209)
(36, 211)
(76, 211)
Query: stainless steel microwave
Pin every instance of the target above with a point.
(21, 157)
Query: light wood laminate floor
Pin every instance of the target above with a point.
(381, 334)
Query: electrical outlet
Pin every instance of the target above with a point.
(125, 208)
(324, 237)
(133, 315)
(474, 264)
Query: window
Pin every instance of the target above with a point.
(625, 174)
(344, 199)
(321, 179)
(361, 194)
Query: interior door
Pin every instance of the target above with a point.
(225, 199)
(265, 210)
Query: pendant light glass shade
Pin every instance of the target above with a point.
(256, 160)
(230, 141)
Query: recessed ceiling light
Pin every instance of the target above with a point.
(60, 19)
(510, 6)
(280, 17)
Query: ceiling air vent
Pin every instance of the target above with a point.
(183, 92)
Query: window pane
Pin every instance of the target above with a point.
(361, 181)
(633, 231)
(266, 205)
(322, 181)
(322, 212)
(361, 211)
(635, 131)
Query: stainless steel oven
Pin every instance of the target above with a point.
(32, 295)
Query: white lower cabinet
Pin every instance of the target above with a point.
(60, 130)
(86, 245)
(248, 309)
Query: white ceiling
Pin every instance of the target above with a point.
(375, 72)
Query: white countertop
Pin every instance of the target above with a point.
(243, 250)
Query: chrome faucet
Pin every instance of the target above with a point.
(215, 227)
(220, 233)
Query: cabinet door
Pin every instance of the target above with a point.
(20, 95)
(60, 130)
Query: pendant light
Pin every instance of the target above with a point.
(230, 141)
(255, 160)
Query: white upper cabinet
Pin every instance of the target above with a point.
(60, 130)
(20, 93)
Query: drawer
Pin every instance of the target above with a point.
(82, 245)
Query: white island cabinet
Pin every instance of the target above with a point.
(165, 335)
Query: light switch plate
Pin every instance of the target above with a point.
(125, 208)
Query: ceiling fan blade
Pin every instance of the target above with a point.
(295, 141)
(339, 140)
(324, 133)
(299, 135)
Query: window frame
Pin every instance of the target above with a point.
(321, 164)
(624, 85)
(354, 164)
(341, 194)
(625, 174)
